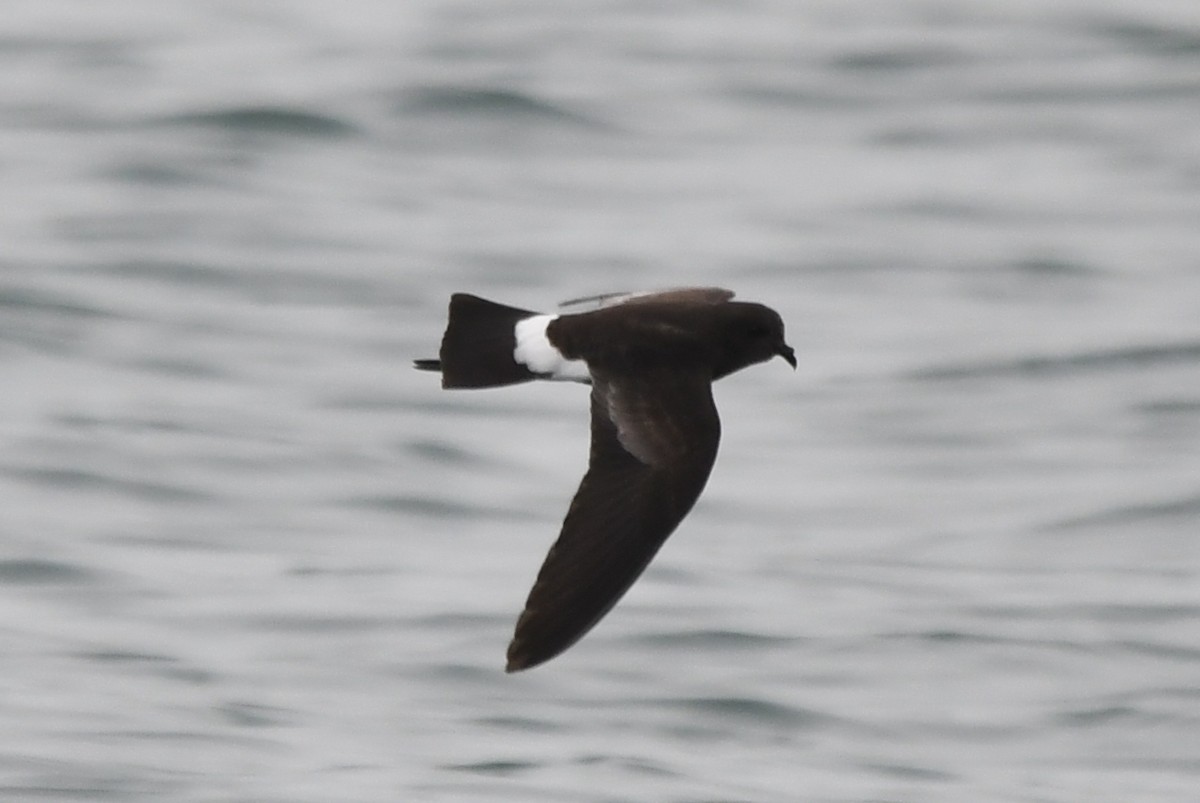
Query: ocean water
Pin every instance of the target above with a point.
(248, 554)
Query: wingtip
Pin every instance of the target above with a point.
(524, 655)
(516, 662)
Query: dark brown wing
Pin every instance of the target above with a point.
(691, 295)
(694, 295)
(654, 440)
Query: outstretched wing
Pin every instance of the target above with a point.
(654, 440)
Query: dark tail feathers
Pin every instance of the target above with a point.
(477, 349)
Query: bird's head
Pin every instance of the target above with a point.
(750, 334)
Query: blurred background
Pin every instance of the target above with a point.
(247, 554)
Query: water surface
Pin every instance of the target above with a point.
(247, 554)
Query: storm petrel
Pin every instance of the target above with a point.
(651, 360)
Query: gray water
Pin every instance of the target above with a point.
(247, 554)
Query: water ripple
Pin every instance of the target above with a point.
(1056, 365)
(77, 479)
(1185, 508)
(271, 120)
(40, 571)
(428, 507)
(492, 103)
(748, 709)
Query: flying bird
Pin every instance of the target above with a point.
(651, 359)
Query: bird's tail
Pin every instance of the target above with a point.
(477, 349)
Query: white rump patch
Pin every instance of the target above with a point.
(535, 351)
